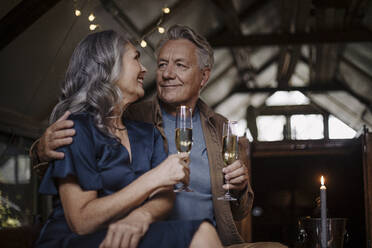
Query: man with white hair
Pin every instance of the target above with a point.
(184, 64)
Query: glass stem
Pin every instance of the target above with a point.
(228, 188)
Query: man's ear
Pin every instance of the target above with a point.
(205, 77)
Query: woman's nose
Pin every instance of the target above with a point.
(143, 68)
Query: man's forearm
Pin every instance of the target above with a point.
(33, 153)
(37, 166)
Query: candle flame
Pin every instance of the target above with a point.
(322, 180)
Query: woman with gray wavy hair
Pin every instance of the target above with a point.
(112, 188)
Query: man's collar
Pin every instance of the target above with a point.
(204, 109)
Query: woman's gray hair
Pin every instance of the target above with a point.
(204, 49)
(90, 82)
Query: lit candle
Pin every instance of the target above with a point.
(323, 214)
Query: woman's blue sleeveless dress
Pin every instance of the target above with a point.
(101, 163)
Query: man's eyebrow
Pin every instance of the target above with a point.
(185, 61)
(181, 59)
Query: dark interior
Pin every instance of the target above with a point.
(287, 183)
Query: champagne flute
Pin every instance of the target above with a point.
(183, 137)
(230, 151)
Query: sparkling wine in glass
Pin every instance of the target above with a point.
(183, 137)
(230, 151)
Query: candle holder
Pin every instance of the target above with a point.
(309, 230)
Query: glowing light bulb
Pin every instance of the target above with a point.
(91, 17)
(93, 27)
(166, 10)
(77, 12)
(161, 30)
(143, 43)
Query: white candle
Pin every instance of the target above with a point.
(323, 214)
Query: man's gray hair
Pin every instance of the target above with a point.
(204, 49)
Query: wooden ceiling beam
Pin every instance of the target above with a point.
(318, 37)
(321, 87)
(16, 123)
(268, 63)
(250, 11)
(22, 17)
(357, 68)
(360, 98)
(288, 110)
(253, 8)
(294, 18)
(219, 76)
(229, 14)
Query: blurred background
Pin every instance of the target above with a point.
(296, 74)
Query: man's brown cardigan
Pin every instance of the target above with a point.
(225, 212)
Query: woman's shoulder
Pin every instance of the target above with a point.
(139, 124)
(80, 116)
(83, 121)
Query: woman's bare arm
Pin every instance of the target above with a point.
(85, 212)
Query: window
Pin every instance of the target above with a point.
(339, 130)
(307, 127)
(276, 123)
(270, 128)
(281, 98)
(17, 191)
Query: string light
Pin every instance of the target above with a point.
(161, 30)
(166, 10)
(143, 43)
(158, 27)
(77, 12)
(91, 17)
(93, 27)
(76, 8)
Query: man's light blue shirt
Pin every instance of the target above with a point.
(197, 204)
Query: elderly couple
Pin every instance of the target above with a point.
(109, 172)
